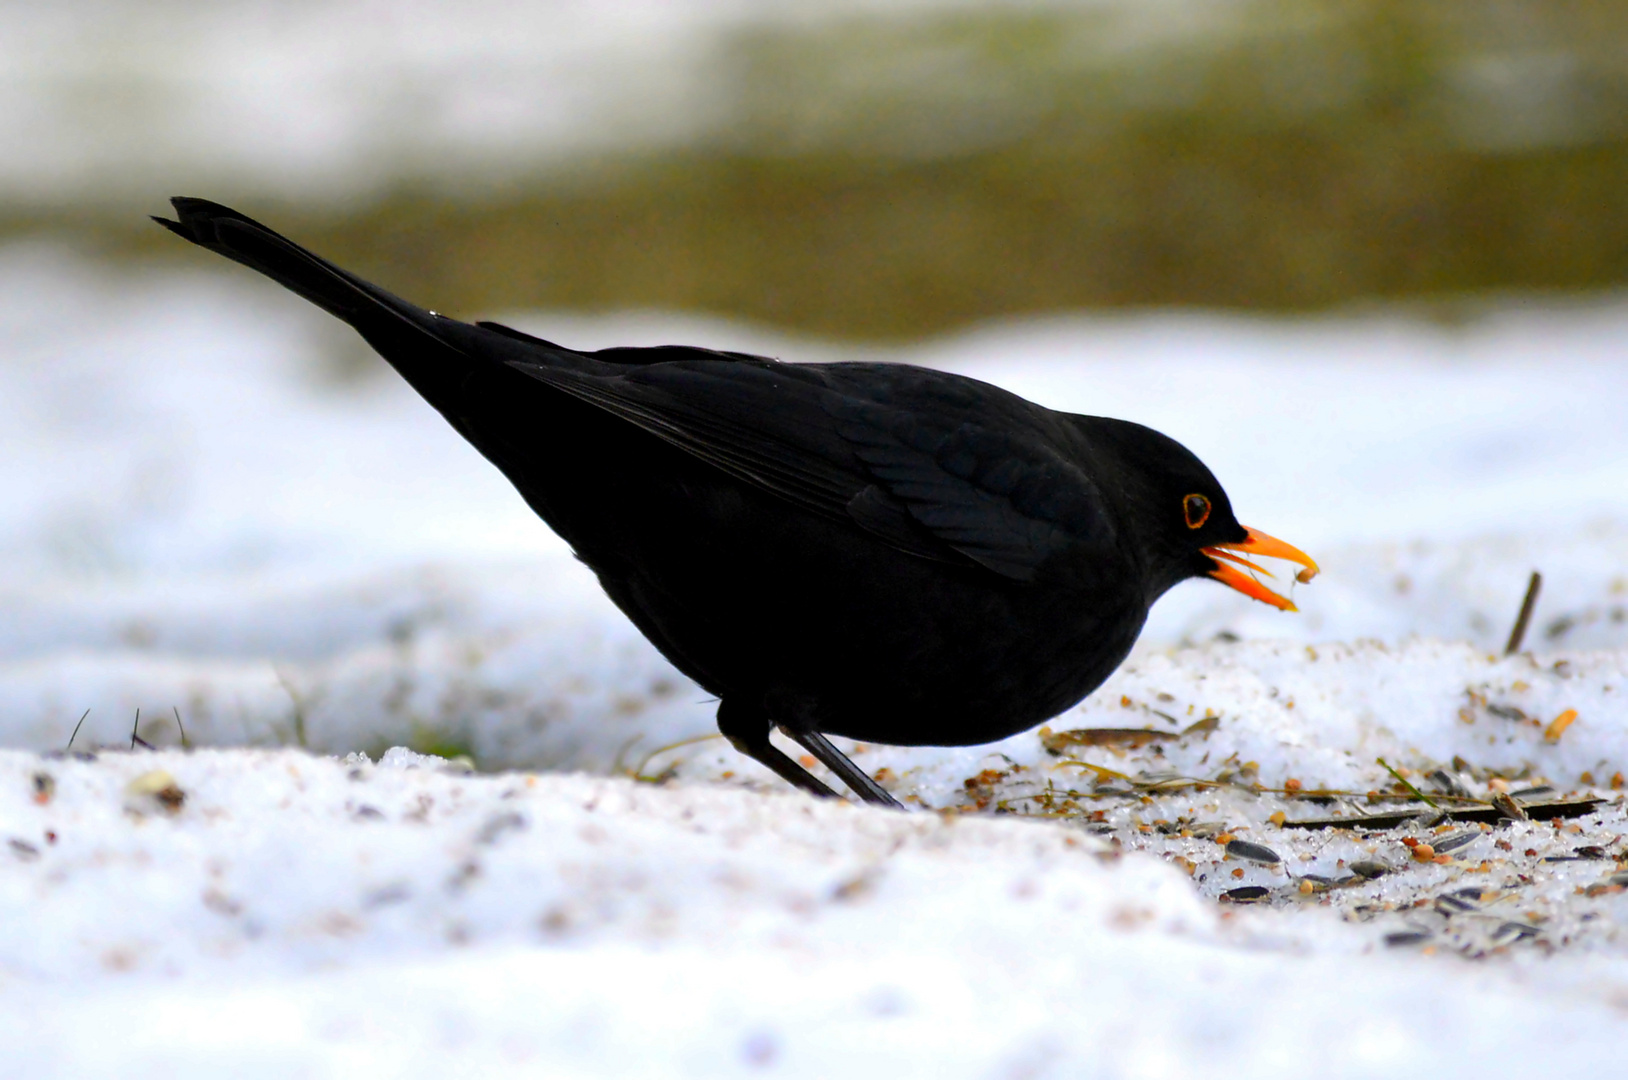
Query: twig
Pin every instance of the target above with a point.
(1417, 794)
(76, 728)
(134, 738)
(1533, 587)
(184, 744)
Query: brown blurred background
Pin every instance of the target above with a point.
(863, 175)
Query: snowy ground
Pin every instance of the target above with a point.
(198, 520)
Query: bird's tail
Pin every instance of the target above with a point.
(365, 306)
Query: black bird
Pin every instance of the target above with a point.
(878, 551)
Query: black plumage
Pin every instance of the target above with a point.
(879, 551)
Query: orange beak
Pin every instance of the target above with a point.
(1258, 543)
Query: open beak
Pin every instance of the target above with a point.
(1258, 543)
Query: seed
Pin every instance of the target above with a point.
(1245, 894)
(1512, 931)
(1558, 725)
(1368, 869)
(1407, 937)
(1424, 852)
(1256, 853)
(1456, 841)
(159, 786)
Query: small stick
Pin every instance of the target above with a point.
(76, 728)
(1417, 794)
(184, 744)
(134, 738)
(1533, 587)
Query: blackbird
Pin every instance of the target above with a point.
(873, 550)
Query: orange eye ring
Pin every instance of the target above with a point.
(1196, 508)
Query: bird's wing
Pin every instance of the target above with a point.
(918, 458)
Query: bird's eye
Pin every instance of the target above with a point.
(1197, 510)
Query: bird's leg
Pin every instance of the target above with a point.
(748, 731)
(846, 771)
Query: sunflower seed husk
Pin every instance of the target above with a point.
(1452, 904)
(1454, 841)
(1245, 894)
(1512, 931)
(1369, 869)
(1447, 783)
(1251, 852)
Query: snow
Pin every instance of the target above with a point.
(198, 520)
(400, 920)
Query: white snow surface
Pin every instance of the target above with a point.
(198, 521)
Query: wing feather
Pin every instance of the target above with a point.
(909, 462)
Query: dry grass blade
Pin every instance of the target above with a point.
(1518, 633)
(1400, 779)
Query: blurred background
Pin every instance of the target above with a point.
(1365, 257)
(857, 170)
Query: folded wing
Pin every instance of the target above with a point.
(928, 462)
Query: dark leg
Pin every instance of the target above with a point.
(846, 771)
(748, 731)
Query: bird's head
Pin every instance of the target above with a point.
(1182, 519)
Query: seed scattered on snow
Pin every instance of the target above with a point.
(1455, 841)
(1430, 817)
(23, 850)
(1256, 853)
(1369, 869)
(45, 786)
(1512, 932)
(1245, 894)
(1452, 904)
(1407, 937)
(155, 787)
(1509, 807)
(1558, 725)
